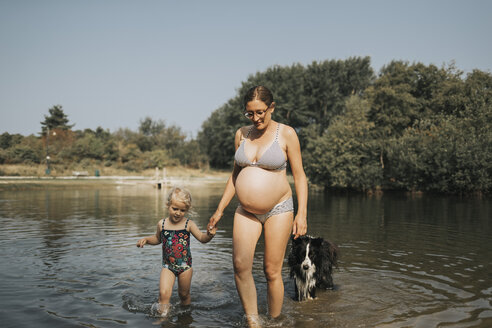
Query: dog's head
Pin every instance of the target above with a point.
(308, 251)
(304, 253)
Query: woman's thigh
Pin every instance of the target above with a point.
(278, 229)
(245, 235)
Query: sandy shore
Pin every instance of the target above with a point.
(33, 182)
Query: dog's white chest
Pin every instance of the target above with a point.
(306, 281)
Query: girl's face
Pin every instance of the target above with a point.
(177, 211)
(259, 113)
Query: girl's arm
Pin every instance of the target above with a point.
(300, 181)
(203, 237)
(229, 191)
(152, 240)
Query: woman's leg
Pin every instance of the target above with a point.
(245, 234)
(184, 286)
(278, 229)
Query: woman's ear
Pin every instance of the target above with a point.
(272, 106)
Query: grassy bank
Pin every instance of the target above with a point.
(39, 171)
(25, 177)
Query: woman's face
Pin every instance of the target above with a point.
(259, 113)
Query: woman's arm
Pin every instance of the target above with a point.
(152, 240)
(203, 237)
(229, 191)
(300, 181)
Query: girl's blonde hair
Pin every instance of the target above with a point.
(181, 195)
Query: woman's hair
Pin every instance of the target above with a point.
(258, 92)
(181, 195)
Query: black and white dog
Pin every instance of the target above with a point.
(311, 261)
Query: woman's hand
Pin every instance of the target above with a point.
(212, 223)
(211, 231)
(300, 226)
(141, 242)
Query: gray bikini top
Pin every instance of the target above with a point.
(272, 159)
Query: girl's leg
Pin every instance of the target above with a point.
(278, 229)
(166, 284)
(245, 234)
(184, 286)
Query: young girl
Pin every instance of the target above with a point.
(174, 234)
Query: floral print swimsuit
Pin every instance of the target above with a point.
(176, 255)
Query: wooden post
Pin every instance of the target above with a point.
(158, 183)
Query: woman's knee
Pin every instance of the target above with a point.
(241, 266)
(272, 272)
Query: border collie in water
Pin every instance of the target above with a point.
(311, 261)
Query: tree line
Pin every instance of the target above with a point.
(154, 144)
(409, 127)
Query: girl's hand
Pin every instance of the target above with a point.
(142, 242)
(211, 231)
(212, 223)
(300, 226)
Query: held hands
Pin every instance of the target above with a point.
(300, 226)
(211, 231)
(212, 223)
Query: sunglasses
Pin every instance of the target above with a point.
(258, 113)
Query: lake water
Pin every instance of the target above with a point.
(68, 259)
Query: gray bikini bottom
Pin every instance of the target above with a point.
(282, 207)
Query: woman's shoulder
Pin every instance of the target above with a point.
(287, 131)
(243, 130)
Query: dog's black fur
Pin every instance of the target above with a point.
(315, 270)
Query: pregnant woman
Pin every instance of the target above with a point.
(259, 180)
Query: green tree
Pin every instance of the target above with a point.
(403, 94)
(8, 140)
(328, 84)
(28, 151)
(191, 155)
(448, 146)
(216, 137)
(158, 158)
(89, 146)
(170, 138)
(149, 127)
(345, 156)
(307, 98)
(447, 154)
(57, 119)
(5, 140)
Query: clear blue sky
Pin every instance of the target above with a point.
(110, 63)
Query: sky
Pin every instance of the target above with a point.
(111, 63)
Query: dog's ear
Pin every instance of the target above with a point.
(317, 242)
(332, 250)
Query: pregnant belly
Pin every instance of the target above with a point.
(259, 190)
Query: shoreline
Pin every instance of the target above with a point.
(34, 182)
(24, 177)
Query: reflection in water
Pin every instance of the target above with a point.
(69, 259)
